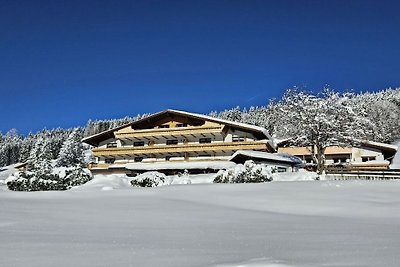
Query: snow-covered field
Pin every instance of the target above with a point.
(321, 223)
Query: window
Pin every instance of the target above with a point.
(112, 144)
(141, 143)
(181, 125)
(164, 126)
(204, 140)
(172, 142)
(365, 159)
(167, 158)
(281, 169)
(109, 161)
(237, 138)
(205, 155)
(138, 159)
(340, 160)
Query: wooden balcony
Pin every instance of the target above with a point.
(92, 166)
(180, 148)
(165, 133)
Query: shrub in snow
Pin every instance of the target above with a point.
(247, 173)
(34, 181)
(150, 179)
(29, 181)
(75, 176)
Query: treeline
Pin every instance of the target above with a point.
(303, 117)
(379, 111)
(16, 148)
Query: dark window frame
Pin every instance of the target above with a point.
(205, 140)
(109, 160)
(172, 142)
(138, 143)
(112, 144)
(138, 159)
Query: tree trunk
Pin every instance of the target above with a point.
(320, 159)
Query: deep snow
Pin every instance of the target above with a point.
(322, 223)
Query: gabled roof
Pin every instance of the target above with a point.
(97, 138)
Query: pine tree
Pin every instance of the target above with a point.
(71, 153)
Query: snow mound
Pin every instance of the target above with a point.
(301, 175)
(256, 263)
(106, 183)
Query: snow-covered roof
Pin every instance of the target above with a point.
(266, 156)
(382, 145)
(181, 165)
(93, 139)
(371, 163)
(233, 123)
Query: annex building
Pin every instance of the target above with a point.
(173, 140)
(366, 155)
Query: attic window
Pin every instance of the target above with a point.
(112, 144)
(181, 125)
(164, 126)
(237, 138)
(365, 159)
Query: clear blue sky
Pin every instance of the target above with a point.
(64, 62)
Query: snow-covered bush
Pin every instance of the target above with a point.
(247, 173)
(150, 179)
(29, 181)
(57, 180)
(72, 176)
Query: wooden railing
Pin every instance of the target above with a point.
(181, 148)
(167, 132)
(98, 165)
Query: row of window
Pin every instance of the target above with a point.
(177, 125)
(140, 159)
(169, 142)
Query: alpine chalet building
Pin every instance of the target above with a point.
(174, 140)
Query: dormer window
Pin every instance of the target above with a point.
(164, 126)
(181, 125)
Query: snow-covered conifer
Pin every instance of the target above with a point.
(71, 152)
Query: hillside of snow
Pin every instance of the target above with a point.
(281, 224)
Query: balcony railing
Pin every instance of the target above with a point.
(167, 132)
(180, 148)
